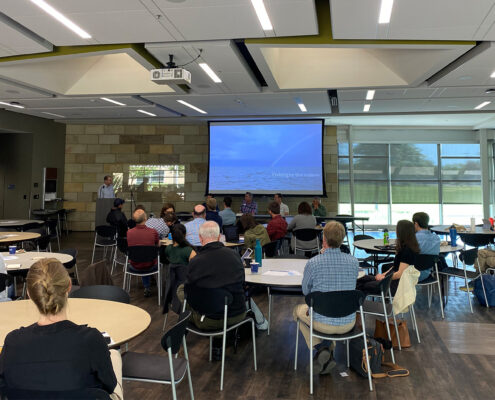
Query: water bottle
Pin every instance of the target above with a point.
(169, 236)
(453, 236)
(473, 224)
(258, 252)
(385, 237)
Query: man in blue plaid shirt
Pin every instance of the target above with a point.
(249, 206)
(329, 271)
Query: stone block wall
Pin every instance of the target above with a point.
(93, 151)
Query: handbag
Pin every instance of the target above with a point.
(381, 332)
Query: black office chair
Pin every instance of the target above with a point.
(105, 237)
(306, 235)
(143, 254)
(216, 307)
(155, 368)
(334, 305)
(425, 262)
(102, 292)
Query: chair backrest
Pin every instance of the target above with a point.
(305, 234)
(73, 253)
(5, 281)
(31, 226)
(336, 304)
(106, 231)
(43, 242)
(270, 249)
(90, 393)
(143, 254)
(362, 237)
(122, 244)
(231, 233)
(102, 292)
(173, 337)
(217, 299)
(477, 239)
(384, 284)
(95, 274)
(425, 261)
(293, 256)
(468, 256)
(52, 225)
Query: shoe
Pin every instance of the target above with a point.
(330, 364)
(464, 289)
(322, 357)
(147, 292)
(263, 326)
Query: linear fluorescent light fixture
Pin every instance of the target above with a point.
(385, 11)
(370, 95)
(214, 77)
(11, 105)
(260, 9)
(480, 106)
(112, 101)
(366, 107)
(147, 113)
(52, 114)
(191, 106)
(61, 18)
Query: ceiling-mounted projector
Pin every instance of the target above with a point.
(168, 76)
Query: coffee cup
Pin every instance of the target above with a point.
(254, 267)
(12, 249)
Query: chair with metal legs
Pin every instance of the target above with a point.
(334, 305)
(217, 306)
(120, 253)
(306, 235)
(424, 262)
(155, 368)
(105, 237)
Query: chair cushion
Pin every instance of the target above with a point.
(459, 272)
(376, 307)
(151, 366)
(354, 332)
(102, 241)
(428, 281)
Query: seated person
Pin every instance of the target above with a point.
(253, 231)
(277, 227)
(211, 213)
(429, 242)
(329, 271)
(319, 209)
(141, 235)
(171, 220)
(406, 250)
(55, 354)
(6, 294)
(303, 220)
(216, 266)
(168, 207)
(249, 206)
(117, 218)
(192, 227)
(228, 216)
(284, 208)
(205, 204)
(131, 223)
(159, 225)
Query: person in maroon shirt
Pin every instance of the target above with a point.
(141, 235)
(277, 227)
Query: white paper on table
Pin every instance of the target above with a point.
(13, 266)
(8, 258)
(281, 273)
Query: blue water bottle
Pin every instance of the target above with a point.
(258, 252)
(170, 236)
(453, 236)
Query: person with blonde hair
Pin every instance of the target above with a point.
(55, 354)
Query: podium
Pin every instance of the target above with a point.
(103, 207)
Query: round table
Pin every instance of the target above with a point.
(18, 223)
(121, 321)
(280, 272)
(445, 230)
(15, 237)
(370, 246)
(28, 258)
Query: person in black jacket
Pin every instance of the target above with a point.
(55, 354)
(216, 266)
(117, 218)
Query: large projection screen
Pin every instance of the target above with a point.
(266, 157)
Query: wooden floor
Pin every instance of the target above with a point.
(455, 359)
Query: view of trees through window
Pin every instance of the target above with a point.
(392, 181)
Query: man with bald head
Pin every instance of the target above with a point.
(141, 235)
(192, 227)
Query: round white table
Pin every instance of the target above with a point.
(445, 230)
(121, 321)
(27, 259)
(370, 246)
(18, 223)
(286, 272)
(16, 237)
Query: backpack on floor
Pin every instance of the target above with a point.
(489, 282)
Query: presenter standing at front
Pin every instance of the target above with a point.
(106, 190)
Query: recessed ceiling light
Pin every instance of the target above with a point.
(13, 104)
(260, 9)
(370, 95)
(480, 106)
(112, 101)
(385, 11)
(61, 18)
(191, 106)
(214, 77)
(366, 107)
(52, 114)
(147, 113)
(302, 107)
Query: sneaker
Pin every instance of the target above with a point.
(321, 359)
(263, 326)
(147, 292)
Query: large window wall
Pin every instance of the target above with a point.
(392, 181)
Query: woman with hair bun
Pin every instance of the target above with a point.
(55, 354)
